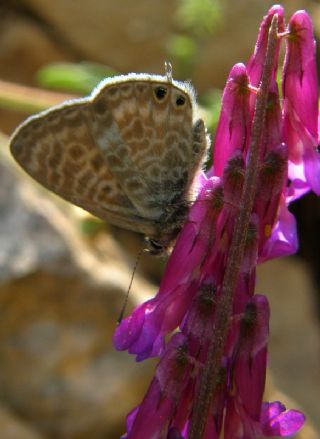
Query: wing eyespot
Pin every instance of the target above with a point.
(160, 93)
(180, 101)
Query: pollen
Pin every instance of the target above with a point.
(267, 230)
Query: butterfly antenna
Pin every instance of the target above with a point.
(168, 70)
(129, 288)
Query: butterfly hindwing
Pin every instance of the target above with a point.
(56, 148)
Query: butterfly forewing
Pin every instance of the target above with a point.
(124, 154)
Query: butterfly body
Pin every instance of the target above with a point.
(129, 153)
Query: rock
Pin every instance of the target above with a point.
(134, 36)
(13, 428)
(59, 304)
(294, 334)
(28, 240)
(123, 35)
(58, 368)
(24, 48)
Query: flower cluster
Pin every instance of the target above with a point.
(210, 379)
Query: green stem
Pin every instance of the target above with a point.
(28, 99)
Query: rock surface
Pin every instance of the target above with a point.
(13, 428)
(59, 304)
(129, 36)
(294, 334)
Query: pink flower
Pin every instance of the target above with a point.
(256, 61)
(143, 332)
(192, 298)
(300, 107)
(234, 121)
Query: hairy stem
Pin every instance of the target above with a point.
(210, 374)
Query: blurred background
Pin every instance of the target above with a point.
(64, 274)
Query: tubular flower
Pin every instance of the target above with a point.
(300, 107)
(212, 338)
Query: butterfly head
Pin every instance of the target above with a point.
(169, 227)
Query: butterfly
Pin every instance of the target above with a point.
(129, 153)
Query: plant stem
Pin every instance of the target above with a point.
(28, 99)
(210, 373)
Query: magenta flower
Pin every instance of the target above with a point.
(300, 107)
(256, 62)
(143, 332)
(210, 379)
(234, 120)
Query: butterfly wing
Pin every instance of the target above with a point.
(57, 149)
(125, 153)
(144, 127)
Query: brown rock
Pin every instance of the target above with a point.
(13, 428)
(24, 48)
(294, 334)
(59, 305)
(124, 35)
(134, 36)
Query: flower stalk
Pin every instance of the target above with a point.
(210, 374)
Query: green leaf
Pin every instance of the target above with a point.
(201, 17)
(77, 78)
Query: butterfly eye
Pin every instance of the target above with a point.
(155, 247)
(160, 93)
(180, 101)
